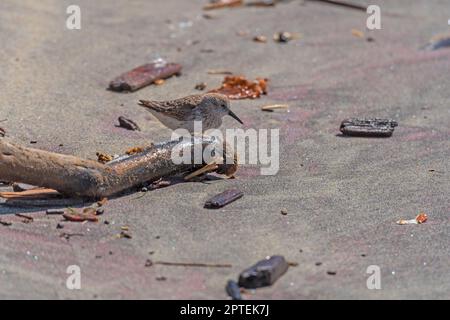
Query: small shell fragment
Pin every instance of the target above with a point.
(260, 39)
(421, 218)
(272, 107)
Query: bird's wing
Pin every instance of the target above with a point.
(181, 109)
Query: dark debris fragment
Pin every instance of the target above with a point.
(128, 124)
(233, 290)
(224, 198)
(264, 273)
(144, 75)
(368, 127)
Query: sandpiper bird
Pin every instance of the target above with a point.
(208, 108)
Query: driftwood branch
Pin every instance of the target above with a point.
(74, 176)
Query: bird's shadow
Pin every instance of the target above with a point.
(29, 206)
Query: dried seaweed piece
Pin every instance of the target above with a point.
(75, 216)
(144, 75)
(357, 33)
(368, 127)
(233, 290)
(200, 86)
(125, 235)
(438, 42)
(2, 132)
(134, 150)
(224, 198)
(103, 157)
(237, 87)
(128, 124)
(223, 4)
(264, 273)
(27, 218)
(419, 219)
(5, 223)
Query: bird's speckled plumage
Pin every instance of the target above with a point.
(181, 113)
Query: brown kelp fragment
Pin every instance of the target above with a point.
(103, 157)
(368, 127)
(223, 4)
(357, 33)
(134, 150)
(200, 86)
(224, 198)
(264, 273)
(238, 87)
(419, 219)
(75, 216)
(144, 75)
(128, 124)
(438, 42)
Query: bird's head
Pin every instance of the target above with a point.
(221, 104)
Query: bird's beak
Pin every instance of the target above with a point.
(231, 113)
